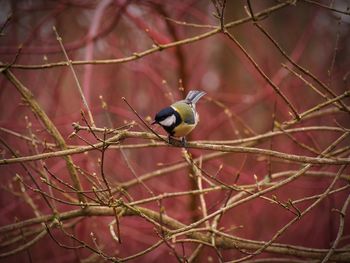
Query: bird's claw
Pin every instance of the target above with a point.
(184, 142)
(177, 143)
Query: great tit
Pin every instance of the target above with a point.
(180, 118)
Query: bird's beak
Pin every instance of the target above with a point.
(154, 122)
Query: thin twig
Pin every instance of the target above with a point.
(262, 73)
(69, 63)
(3, 26)
(142, 120)
(326, 7)
(342, 214)
(103, 151)
(302, 69)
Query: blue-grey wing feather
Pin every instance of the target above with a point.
(194, 95)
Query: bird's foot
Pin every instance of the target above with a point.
(175, 142)
(184, 142)
(171, 140)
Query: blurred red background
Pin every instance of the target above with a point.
(239, 104)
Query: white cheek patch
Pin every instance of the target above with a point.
(168, 121)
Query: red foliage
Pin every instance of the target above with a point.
(240, 103)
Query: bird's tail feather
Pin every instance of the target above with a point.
(194, 95)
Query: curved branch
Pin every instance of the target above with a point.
(224, 241)
(155, 49)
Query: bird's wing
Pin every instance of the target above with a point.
(185, 111)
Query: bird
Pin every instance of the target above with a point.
(181, 117)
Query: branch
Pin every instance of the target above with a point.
(51, 128)
(138, 55)
(273, 85)
(225, 241)
(193, 145)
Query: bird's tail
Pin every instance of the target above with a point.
(194, 95)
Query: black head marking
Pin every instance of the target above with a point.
(165, 113)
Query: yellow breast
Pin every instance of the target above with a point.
(188, 116)
(183, 129)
